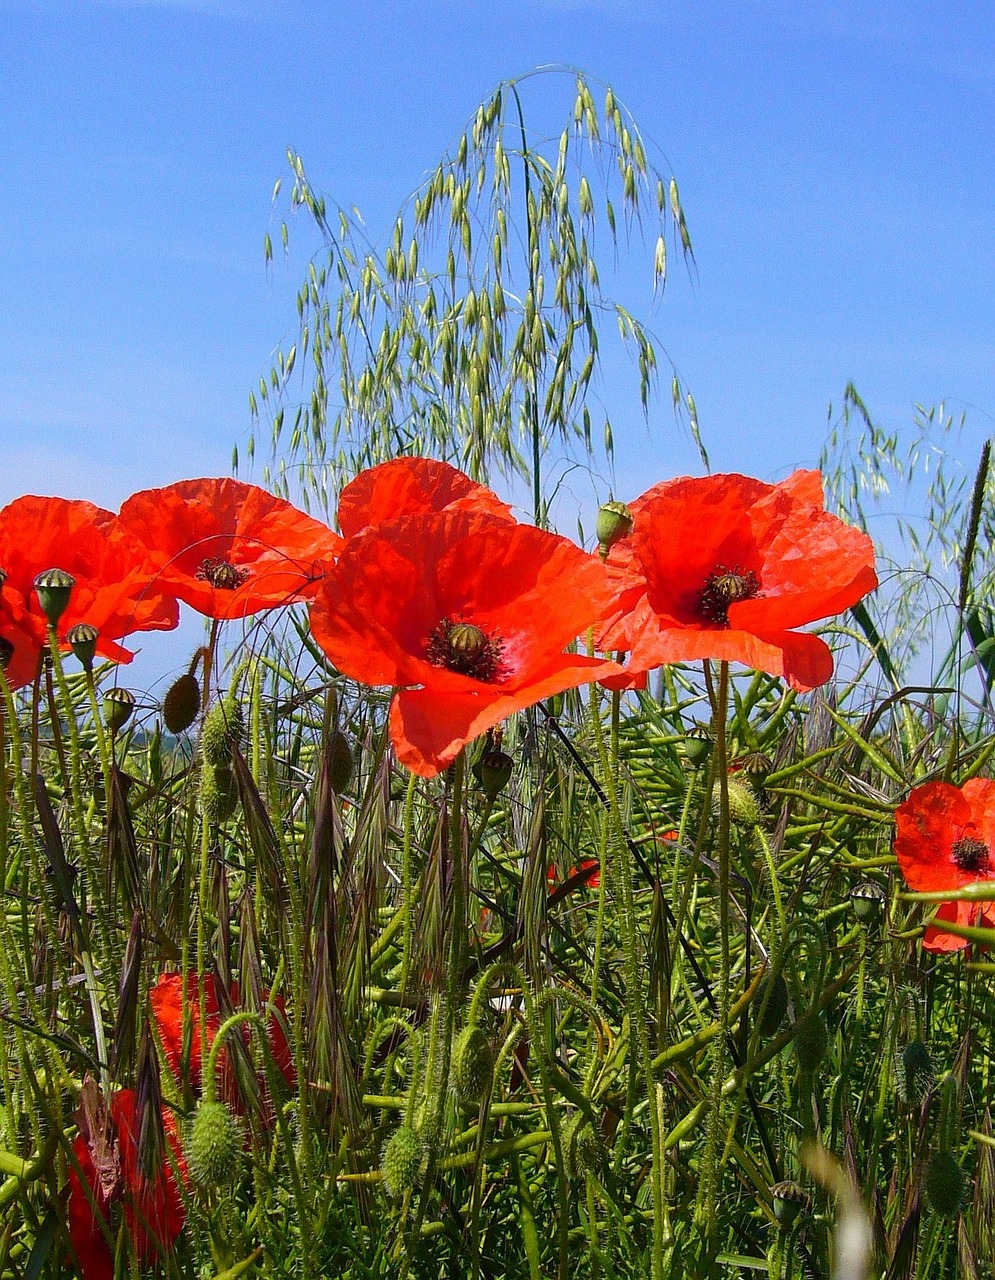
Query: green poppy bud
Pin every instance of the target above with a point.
(583, 1147)
(53, 589)
(222, 730)
(788, 1199)
(401, 1161)
(181, 704)
(340, 764)
(214, 1147)
(811, 1042)
(914, 1076)
(118, 706)
(743, 808)
(218, 793)
(473, 1063)
(772, 1001)
(82, 639)
(945, 1184)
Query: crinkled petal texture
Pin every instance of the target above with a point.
(166, 999)
(21, 647)
(151, 1208)
(410, 487)
(929, 824)
(113, 592)
(806, 563)
(278, 552)
(531, 593)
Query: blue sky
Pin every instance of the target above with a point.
(834, 159)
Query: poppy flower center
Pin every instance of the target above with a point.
(971, 855)
(221, 574)
(723, 588)
(463, 647)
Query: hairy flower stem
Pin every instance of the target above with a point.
(708, 1188)
(622, 871)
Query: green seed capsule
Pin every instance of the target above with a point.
(118, 706)
(788, 1200)
(340, 768)
(82, 639)
(53, 589)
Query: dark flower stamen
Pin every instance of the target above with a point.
(222, 574)
(971, 855)
(6, 652)
(462, 647)
(723, 588)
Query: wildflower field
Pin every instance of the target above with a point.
(484, 902)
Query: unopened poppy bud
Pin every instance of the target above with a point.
(698, 747)
(772, 1001)
(945, 1184)
(118, 706)
(181, 703)
(222, 730)
(868, 902)
(743, 808)
(401, 1161)
(473, 1063)
(583, 1147)
(811, 1042)
(493, 771)
(788, 1199)
(82, 639)
(213, 1147)
(914, 1076)
(614, 522)
(218, 793)
(53, 589)
(340, 763)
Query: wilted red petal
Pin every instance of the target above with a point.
(279, 551)
(152, 1209)
(409, 487)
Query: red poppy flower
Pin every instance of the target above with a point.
(229, 549)
(20, 648)
(945, 839)
(113, 581)
(468, 615)
(587, 872)
(726, 567)
(166, 999)
(151, 1210)
(410, 487)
